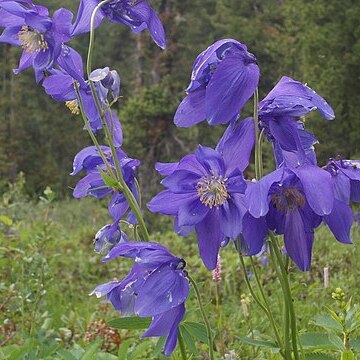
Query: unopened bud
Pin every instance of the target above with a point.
(216, 273)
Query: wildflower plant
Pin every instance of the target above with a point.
(205, 191)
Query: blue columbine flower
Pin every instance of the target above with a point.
(156, 287)
(60, 86)
(223, 79)
(293, 202)
(204, 191)
(41, 37)
(280, 109)
(93, 184)
(346, 179)
(137, 14)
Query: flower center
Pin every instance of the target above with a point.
(73, 106)
(288, 200)
(32, 40)
(212, 191)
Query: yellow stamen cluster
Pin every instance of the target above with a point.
(32, 40)
(212, 191)
(73, 106)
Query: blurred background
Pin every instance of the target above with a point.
(316, 42)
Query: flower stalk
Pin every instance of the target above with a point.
(204, 316)
(124, 187)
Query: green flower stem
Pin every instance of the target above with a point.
(182, 346)
(286, 307)
(204, 316)
(124, 188)
(265, 307)
(287, 295)
(258, 154)
(219, 316)
(92, 36)
(87, 126)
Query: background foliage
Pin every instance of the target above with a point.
(317, 42)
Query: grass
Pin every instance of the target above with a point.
(48, 268)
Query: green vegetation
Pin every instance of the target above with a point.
(48, 269)
(313, 41)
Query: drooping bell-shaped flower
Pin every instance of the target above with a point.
(107, 237)
(279, 114)
(93, 184)
(29, 26)
(156, 287)
(223, 79)
(137, 14)
(203, 191)
(60, 86)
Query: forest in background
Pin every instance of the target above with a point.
(317, 42)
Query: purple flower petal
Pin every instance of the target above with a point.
(61, 25)
(166, 324)
(26, 60)
(166, 169)
(145, 13)
(298, 243)
(340, 221)
(211, 160)
(231, 86)
(162, 290)
(290, 97)
(82, 22)
(236, 145)
(115, 128)
(257, 193)
(253, 234)
(230, 219)
(181, 181)
(10, 35)
(318, 188)
(192, 212)
(167, 202)
(191, 110)
(118, 206)
(88, 159)
(210, 238)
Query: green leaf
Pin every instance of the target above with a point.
(318, 356)
(140, 349)
(123, 350)
(355, 344)
(198, 331)
(130, 323)
(91, 351)
(259, 343)
(6, 220)
(334, 315)
(159, 346)
(109, 180)
(337, 341)
(347, 355)
(66, 355)
(188, 339)
(316, 341)
(327, 321)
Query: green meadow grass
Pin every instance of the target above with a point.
(48, 268)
